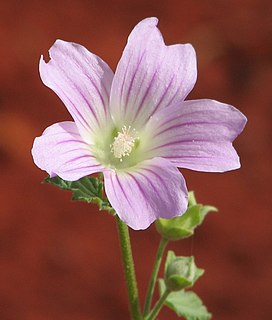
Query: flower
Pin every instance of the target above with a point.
(134, 125)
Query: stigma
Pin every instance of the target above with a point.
(124, 142)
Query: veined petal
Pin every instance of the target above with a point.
(82, 81)
(61, 151)
(150, 75)
(198, 135)
(151, 190)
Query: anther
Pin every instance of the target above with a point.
(124, 142)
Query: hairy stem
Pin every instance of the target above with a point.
(129, 270)
(153, 314)
(154, 274)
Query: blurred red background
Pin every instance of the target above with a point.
(60, 260)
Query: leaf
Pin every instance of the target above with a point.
(88, 189)
(185, 304)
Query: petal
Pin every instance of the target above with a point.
(153, 189)
(61, 151)
(81, 80)
(150, 75)
(198, 135)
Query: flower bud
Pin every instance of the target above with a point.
(180, 272)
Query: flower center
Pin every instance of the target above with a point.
(123, 143)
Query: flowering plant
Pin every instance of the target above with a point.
(136, 128)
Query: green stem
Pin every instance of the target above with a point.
(152, 281)
(129, 270)
(153, 314)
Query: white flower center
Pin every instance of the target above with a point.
(124, 142)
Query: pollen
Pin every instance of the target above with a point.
(124, 142)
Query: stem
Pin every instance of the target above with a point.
(129, 270)
(153, 314)
(154, 274)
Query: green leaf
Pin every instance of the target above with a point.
(88, 189)
(185, 304)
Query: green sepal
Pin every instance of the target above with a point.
(185, 304)
(87, 189)
(183, 227)
(191, 199)
(180, 272)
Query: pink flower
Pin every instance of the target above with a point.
(134, 125)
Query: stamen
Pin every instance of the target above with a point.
(124, 142)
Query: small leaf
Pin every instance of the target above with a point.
(88, 189)
(185, 304)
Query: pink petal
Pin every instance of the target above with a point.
(81, 80)
(153, 189)
(150, 75)
(198, 135)
(61, 151)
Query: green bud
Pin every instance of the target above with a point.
(180, 272)
(182, 227)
